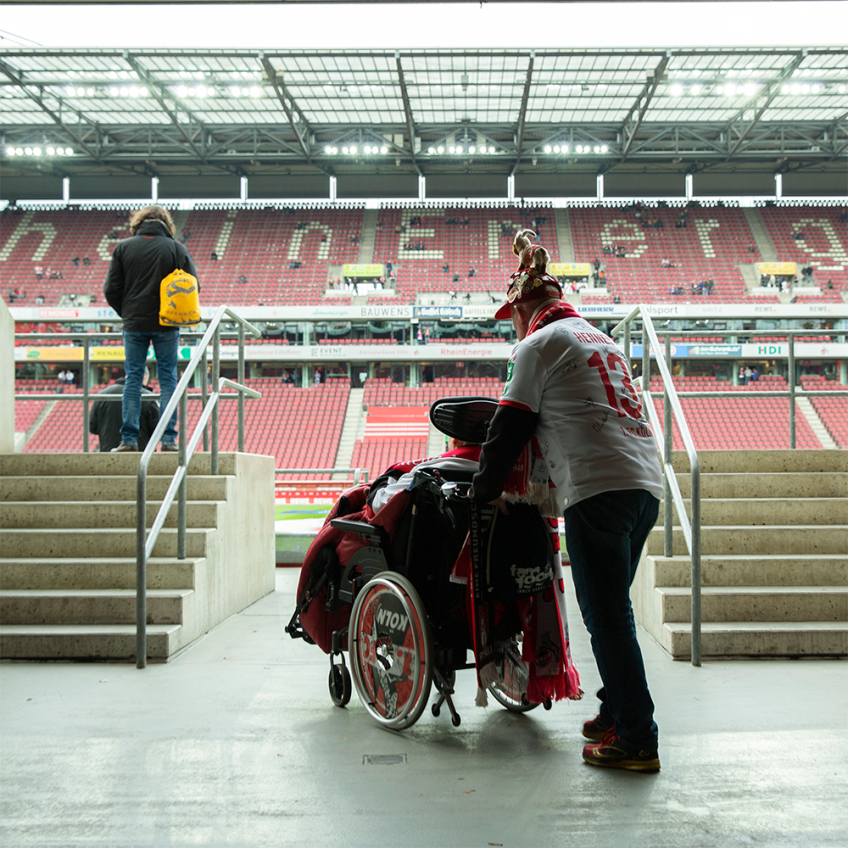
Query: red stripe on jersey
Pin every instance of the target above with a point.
(515, 404)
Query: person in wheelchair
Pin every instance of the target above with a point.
(501, 597)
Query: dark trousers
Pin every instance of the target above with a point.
(605, 535)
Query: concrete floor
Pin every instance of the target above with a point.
(236, 742)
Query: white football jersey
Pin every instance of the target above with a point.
(592, 430)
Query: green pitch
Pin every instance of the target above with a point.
(285, 512)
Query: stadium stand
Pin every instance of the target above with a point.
(746, 423)
(712, 245)
(383, 392)
(811, 235)
(480, 239)
(261, 245)
(832, 411)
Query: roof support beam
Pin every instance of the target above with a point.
(159, 93)
(522, 114)
(407, 108)
(19, 82)
(771, 92)
(290, 107)
(643, 101)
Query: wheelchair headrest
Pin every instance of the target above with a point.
(465, 418)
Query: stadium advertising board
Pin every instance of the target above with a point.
(368, 271)
(779, 269)
(570, 269)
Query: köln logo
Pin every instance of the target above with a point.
(392, 620)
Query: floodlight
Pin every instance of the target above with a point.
(182, 91)
(548, 148)
(51, 151)
(431, 150)
(10, 151)
(345, 150)
(440, 149)
(677, 90)
(328, 150)
(604, 148)
(459, 148)
(143, 92)
(805, 89)
(36, 151)
(19, 151)
(556, 149)
(565, 148)
(695, 90)
(255, 91)
(69, 151)
(90, 92)
(816, 89)
(28, 151)
(384, 150)
(451, 149)
(353, 150)
(785, 89)
(367, 148)
(113, 91)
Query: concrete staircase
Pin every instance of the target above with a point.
(774, 562)
(761, 237)
(369, 236)
(563, 231)
(67, 553)
(352, 429)
(806, 408)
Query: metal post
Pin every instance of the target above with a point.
(696, 565)
(181, 498)
(204, 390)
(241, 383)
(216, 374)
(86, 413)
(627, 343)
(141, 572)
(791, 389)
(668, 446)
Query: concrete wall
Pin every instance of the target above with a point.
(7, 380)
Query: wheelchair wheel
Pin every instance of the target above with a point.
(339, 684)
(391, 650)
(510, 692)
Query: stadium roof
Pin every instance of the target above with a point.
(430, 111)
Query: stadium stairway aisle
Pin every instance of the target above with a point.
(774, 558)
(68, 570)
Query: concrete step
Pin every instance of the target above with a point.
(85, 641)
(763, 461)
(759, 639)
(99, 514)
(759, 511)
(797, 484)
(98, 573)
(107, 488)
(758, 603)
(90, 606)
(764, 570)
(109, 542)
(106, 464)
(764, 539)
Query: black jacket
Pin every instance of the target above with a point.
(106, 418)
(138, 265)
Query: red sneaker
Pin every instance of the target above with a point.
(613, 752)
(596, 727)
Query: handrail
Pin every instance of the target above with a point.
(671, 488)
(358, 473)
(178, 486)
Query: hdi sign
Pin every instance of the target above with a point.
(770, 350)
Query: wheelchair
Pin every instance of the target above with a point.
(408, 628)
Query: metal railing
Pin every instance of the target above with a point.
(178, 485)
(358, 473)
(792, 392)
(691, 528)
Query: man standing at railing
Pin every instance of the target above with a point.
(569, 385)
(106, 416)
(138, 266)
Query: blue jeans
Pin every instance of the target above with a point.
(605, 535)
(166, 347)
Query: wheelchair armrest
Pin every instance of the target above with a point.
(368, 532)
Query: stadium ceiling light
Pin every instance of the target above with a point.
(579, 148)
(451, 149)
(28, 151)
(785, 89)
(113, 91)
(345, 150)
(805, 89)
(440, 150)
(19, 151)
(10, 151)
(90, 92)
(255, 91)
(459, 148)
(431, 150)
(676, 90)
(36, 151)
(369, 149)
(565, 148)
(328, 150)
(695, 90)
(750, 89)
(796, 89)
(816, 89)
(235, 91)
(841, 89)
(549, 149)
(556, 148)
(472, 149)
(182, 91)
(604, 148)
(353, 150)
(384, 150)
(51, 151)
(720, 89)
